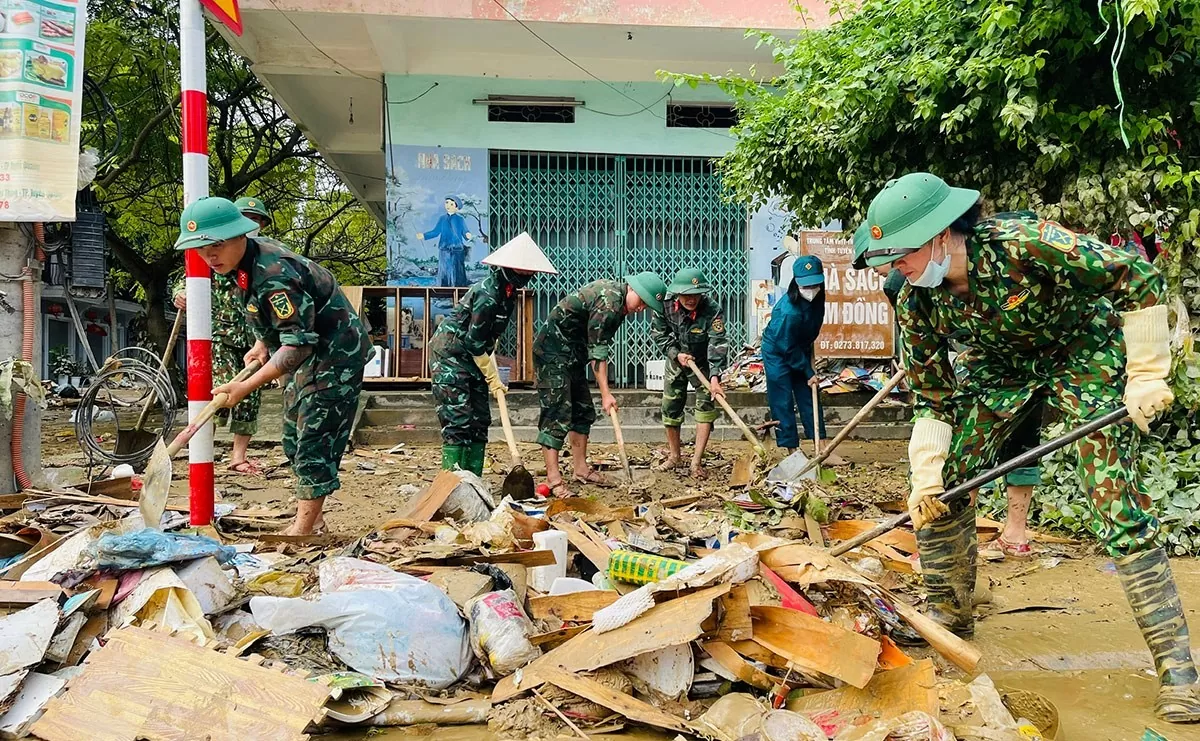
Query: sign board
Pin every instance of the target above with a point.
(41, 84)
(226, 12)
(859, 320)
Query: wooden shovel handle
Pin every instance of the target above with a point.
(750, 437)
(854, 422)
(616, 423)
(509, 437)
(176, 328)
(208, 411)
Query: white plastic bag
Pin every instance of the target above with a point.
(389, 626)
(500, 632)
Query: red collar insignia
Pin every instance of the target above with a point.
(243, 279)
(508, 291)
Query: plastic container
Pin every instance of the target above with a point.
(641, 568)
(542, 578)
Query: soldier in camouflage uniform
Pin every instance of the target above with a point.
(460, 353)
(690, 328)
(305, 329)
(231, 340)
(580, 330)
(1047, 313)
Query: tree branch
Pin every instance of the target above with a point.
(135, 151)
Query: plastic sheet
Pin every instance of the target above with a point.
(147, 548)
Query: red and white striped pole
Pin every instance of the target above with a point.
(199, 277)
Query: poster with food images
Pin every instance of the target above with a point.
(41, 84)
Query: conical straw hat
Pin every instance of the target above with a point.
(521, 253)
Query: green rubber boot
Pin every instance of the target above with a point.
(452, 457)
(1151, 591)
(473, 457)
(948, 549)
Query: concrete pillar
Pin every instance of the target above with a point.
(14, 255)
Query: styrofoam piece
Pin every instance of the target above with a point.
(668, 671)
(25, 636)
(542, 578)
(209, 582)
(571, 585)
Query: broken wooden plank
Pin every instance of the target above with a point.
(736, 623)
(847, 529)
(889, 694)
(426, 504)
(148, 685)
(522, 558)
(573, 608)
(746, 672)
(814, 529)
(23, 593)
(669, 624)
(815, 644)
(596, 553)
(589, 508)
(623, 705)
(743, 472)
(556, 638)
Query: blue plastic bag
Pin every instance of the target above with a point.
(148, 548)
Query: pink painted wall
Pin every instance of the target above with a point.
(763, 14)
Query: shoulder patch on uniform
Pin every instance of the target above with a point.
(1058, 237)
(1016, 300)
(281, 304)
(718, 324)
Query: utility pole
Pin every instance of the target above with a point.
(15, 257)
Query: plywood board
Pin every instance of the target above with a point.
(724, 655)
(889, 694)
(669, 624)
(623, 705)
(847, 529)
(597, 553)
(743, 472)
(816, 645)
(427, 503)
(25, 636)
(145, 685)
(572, 608)
(736, 623)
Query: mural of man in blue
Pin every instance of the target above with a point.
(452, 235)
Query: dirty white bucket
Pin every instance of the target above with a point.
(655, 372)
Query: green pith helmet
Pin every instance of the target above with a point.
(909, 212)
(862, 240)
(211, 220)
(650, 288)
(253, 206)
(688, 282)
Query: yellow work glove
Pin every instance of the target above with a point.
(927, 450)
(491, 374)
(1147, 363)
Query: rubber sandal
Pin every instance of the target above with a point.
(596, 478)
(559, 490)
(247, 468)
(1000, 549)
(666, 466)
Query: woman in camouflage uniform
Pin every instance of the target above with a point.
(461, 360)
(1048, 314)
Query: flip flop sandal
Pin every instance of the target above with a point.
(559, 490)
(667, 466)
(1000, 549)
(596, 478)
(247, 468)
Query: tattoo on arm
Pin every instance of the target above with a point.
(289, 357)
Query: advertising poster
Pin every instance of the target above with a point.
(859, 321)
(41, 81)
(437, 207)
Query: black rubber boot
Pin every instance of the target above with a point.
(1151, 592)
(948, 548)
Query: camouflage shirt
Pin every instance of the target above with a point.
(700, 333)
(229, 325)
(475, 324)
(290, 300)
(1040, 294)
(581, 326)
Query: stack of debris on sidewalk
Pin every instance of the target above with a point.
(536, 618)
(747, 373)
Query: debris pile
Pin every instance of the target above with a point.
(536, 618)
(747, 373)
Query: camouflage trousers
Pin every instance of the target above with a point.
(1088, 384)
(227, 362)
(565, 401)
(461, 395)
(675, 388)
(316, 430)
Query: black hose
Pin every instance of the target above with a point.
(124, 370)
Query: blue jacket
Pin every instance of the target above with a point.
(787, 342)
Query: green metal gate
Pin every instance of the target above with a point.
(601, 216)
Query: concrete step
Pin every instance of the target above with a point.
(626, 397)
(603, 433)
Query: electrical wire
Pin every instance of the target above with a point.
(411, 100)
(643, 109)
(120, 372)
(303, 35)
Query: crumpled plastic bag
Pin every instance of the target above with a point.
(500, 632)
(389, 626)
(147, 548)
(18, 376)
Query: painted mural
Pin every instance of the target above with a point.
(437, 210)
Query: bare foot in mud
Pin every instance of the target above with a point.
(698, 473)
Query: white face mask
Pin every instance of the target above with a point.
(934, 273)
(254, 233)
(808, 293)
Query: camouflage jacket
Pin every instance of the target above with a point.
(1040, 295)
(700, 333)
(229, 325)
(581, 326)
(291, 300)
(475, 324)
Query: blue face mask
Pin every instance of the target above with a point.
(933, 275)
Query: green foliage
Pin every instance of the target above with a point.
(255, 149)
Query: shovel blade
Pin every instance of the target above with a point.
(156, 483)
(789, 467)
(518, 484)
(135, 442)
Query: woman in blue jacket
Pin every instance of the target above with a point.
(787, 351)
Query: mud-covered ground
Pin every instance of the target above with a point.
(1057, 624)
